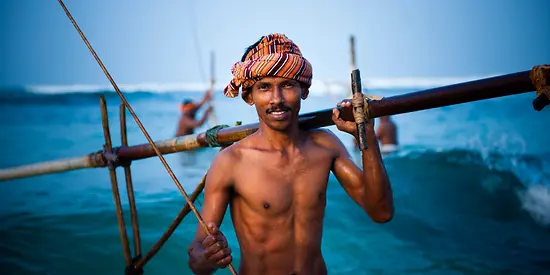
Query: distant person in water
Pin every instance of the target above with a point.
(188, 122)
(386, 132)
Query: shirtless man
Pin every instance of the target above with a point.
(275, 180)
(188, 122)
(387, 134)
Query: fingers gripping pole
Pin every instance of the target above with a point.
(358, 112)
(140, 125)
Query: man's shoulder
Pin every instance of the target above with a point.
(227, 156)
(325, 138)
(322, 134)
(232, 153)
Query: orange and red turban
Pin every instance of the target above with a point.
(273, 55)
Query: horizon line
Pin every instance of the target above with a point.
(317, 87)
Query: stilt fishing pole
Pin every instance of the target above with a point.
(358, 114)
(212, 120)
(536, 79)
(147, 136)
(353, 64)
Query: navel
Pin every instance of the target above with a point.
(266, 205)
(321, 195)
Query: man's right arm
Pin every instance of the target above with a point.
(205, 116)
(216, 198)
(192, 123)
(207, 96)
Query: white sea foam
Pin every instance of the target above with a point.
(319, 87)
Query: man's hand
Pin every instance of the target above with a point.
(349, 127)
(211, 253)
(209, 109)
(208, 95)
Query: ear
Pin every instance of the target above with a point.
(247, 96)
(305, 93)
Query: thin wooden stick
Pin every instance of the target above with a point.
(114, 183)
(183, 212)
(145, 133)
(353, 64)
(129, 185)
(51, 167)
(212, 120)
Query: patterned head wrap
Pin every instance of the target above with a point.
(273, 55)
(187, 105)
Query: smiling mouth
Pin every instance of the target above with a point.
(279, 114)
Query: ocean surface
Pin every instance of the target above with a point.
(471, 189)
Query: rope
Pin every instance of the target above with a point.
(540, 78)
(357, 101)
(212, 135)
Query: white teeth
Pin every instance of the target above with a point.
(277, 113)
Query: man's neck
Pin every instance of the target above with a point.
(281, 140)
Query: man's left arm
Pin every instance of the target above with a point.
(207, 96)
(369, 187)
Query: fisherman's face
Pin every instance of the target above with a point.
(278, 101)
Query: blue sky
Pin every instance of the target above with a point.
(158, 41)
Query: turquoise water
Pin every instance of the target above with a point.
(470, 188)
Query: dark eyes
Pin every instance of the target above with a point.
(285, 85)
(289, 85)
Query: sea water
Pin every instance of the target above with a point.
(471, 189)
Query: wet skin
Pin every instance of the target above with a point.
(187, 122)
(387, 131)
(275, 183)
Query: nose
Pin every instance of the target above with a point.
(277, 96)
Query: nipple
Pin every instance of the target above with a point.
(266, 205)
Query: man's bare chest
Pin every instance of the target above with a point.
(274, 186)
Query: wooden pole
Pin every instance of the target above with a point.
(212, 120)
(179, 218)
(359, 115)
(352, 52)
(52, 167)
(499, 86)
(114, 184)
(353, 64)
(129, 184)
(140, 125)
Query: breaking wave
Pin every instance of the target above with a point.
(503, 184)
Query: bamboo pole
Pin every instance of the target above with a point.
(358, 102)
(114, 184)
(179, 218)
(140, 125)
(129, 185)
(352, 52)
(52, 167)
(212, 120)
(353, 63)
(499, 86)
